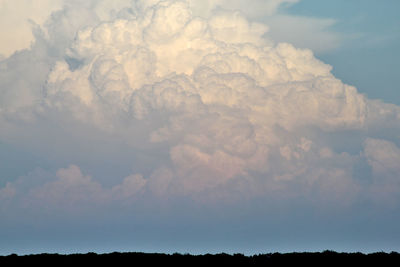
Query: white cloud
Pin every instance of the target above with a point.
(382, 155)
(68, 190)
(16, 18)
(218, 110)
(131, 185)
(71, 189)
(15, 26)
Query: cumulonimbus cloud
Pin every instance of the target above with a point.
(219, 109)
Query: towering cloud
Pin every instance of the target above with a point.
(198, 101)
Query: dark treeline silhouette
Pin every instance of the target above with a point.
(149, 259)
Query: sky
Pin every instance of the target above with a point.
(367, 56)
(199, 126)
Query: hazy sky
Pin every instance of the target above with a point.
(199, 126)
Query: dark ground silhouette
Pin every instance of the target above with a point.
(150, 259)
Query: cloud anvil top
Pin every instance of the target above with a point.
(149, 111)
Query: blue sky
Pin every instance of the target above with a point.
(188, 126)
(368, 56)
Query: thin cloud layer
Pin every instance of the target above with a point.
(204, 107)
